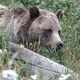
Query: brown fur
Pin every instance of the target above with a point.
(32, 24)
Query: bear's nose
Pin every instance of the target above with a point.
(59, 45)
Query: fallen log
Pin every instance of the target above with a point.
(40, 65)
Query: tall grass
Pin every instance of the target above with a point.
(70, 54)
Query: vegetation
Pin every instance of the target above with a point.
(70, 54)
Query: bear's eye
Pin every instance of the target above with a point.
(59, 32)
(49, 30)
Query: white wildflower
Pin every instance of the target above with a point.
(10, 62)
(64, 77)
(0, 51)
(2, 6)
(5, 50)
(9, 75)
(22, 46)
(34, 77)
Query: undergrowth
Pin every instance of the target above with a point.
(69, 55)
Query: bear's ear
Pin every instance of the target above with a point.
(34, 12)
(60, 14)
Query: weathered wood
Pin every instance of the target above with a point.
(40, 65)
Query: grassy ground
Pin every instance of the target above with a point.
(70, 54)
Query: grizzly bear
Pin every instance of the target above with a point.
(33, 24)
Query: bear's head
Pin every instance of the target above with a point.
(46, 27)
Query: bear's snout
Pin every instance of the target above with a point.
(59, 45)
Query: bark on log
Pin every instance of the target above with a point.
(40, 65)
